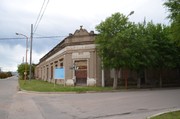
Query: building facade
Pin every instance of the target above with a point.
(77, 55)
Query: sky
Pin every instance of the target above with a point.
(60, 18)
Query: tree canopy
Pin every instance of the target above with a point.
(114, 39)
(124, 44)
(173, 7)
(21, 69)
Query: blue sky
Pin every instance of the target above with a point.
(61, 18)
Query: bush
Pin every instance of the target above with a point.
(5, 75)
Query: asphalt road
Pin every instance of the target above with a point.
(8, 88)
(115, 105)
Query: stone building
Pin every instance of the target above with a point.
(77, 55)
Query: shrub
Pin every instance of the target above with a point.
(5, 75)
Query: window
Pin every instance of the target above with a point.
(61, 63)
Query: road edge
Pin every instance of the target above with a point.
(164, 112)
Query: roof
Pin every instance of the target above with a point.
(72, 39)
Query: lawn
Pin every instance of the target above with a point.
(170, 115)
(43, 86)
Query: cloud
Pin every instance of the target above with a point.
(12, 56)
(61, 18)
(36, 56)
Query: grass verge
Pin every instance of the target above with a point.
(42, 86)
(169, 115)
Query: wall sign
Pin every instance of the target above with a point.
(59, 73)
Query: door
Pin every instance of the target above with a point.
(81, 72)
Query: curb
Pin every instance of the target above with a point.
(36, 92)
(111, 91)
(170, 110)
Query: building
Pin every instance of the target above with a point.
(77, 55)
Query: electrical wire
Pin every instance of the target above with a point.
(5, 39)
(37, 35)
(38, 21)
(39, 13)
(49, 37)
(43, 37)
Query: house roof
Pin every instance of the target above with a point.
(72, 39)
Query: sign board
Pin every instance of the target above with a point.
(59, 73)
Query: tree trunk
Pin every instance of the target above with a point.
(160, 78)
(146, 80)
(138, 80)
(126, 78)
(115, 83)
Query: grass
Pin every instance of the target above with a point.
(170, 115)
(42, 86)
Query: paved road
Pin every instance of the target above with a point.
(117, 105)
(8, 88)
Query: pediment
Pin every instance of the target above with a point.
(81, 32)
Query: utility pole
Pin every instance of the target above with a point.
(30, 71)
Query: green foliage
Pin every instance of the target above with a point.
(164, 48)
(114, 40)
(21, 69)
(123, 44)
(174, 9)
(5, 75)
(9, 74)
(142, 53)
(174, 15)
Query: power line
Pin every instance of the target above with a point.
(39, 13)
(49, 37)
(43, 37)
(40, 18)
(11, 38)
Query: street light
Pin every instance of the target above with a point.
(25, 73)
(132, 12)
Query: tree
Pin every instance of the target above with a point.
(153, 48)
(113, 42)
(5, 74)
(123, 44)
(9, 74)
(142, 53)
(174, 15)
(21, 69)
(165, 49)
